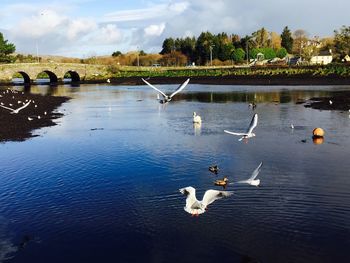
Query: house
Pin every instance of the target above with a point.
(346, 58)
(323, 58)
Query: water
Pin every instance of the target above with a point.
(102, 185)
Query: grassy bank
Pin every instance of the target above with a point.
(339, 70)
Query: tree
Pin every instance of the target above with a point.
(188, 46)
(116, 54)
(238, 55)
(274, 41)
(6, 49)
(168, 46)
(203, 44)
(261, 38)
(342, 42)
(300, 41)
(282, 52)
(175, 58)
(287, 39)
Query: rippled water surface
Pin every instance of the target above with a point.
(102, 186)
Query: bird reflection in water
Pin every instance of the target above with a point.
(197, 128)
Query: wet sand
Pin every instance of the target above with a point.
(21, 126)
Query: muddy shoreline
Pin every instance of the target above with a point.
(40, 112)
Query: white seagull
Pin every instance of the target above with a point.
(167, 98)
(196, 118)
(15, 111)
(249, 132)
(252, 180)
(195, 207)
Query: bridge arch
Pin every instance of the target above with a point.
(25, 76)
(74, 76)
(52, 77)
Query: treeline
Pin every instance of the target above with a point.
(230, 48)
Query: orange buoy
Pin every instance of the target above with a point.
(318, 132)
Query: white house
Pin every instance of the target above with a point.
(323, 58)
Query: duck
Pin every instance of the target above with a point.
(221, 182)
(214, 169)
(196, 118)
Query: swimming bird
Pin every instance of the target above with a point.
(15, 111)
(167, 98)
(196, 118)
(252, 180)
(252, 105)
(108, 81)
(196, 207)
(221, 182)
(249, 132)
(330, 102)
(214, 169)
(291, 126)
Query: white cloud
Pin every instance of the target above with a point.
(40, 24)
(108, 34)
(79, 27)
(154, 30)
(153, 12)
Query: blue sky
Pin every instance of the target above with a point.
(84, 28)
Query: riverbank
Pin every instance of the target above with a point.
(237, 80)
(40, 112)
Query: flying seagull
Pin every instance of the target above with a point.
(252, 180)
(195, 207)
(249, 132)
(167, 98)
(15, 111)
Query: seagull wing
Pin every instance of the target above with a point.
(211, 195)
(190, 194)
(24, 106)
(153, 87)
(6, 108)
(181, 87)
(253, 123)
(235, 133)
(256, 172)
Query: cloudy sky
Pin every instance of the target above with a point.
(84, 28)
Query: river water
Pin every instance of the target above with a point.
(102, 185)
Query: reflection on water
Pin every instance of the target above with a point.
(197, 128)
(103, 185)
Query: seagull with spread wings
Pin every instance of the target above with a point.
(250, 129)
(15, 111)
(252, 180)
(196, 207)
(167, 98)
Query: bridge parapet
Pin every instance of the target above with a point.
(56, 71)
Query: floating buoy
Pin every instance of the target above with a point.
(318, 132)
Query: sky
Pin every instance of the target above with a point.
(85, 28)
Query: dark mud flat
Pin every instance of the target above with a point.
(339, 101)
(39, 113)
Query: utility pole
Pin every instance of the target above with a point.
(211, 54)
(37, 51)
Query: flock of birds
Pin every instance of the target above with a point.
(194, 206)
(22, 104)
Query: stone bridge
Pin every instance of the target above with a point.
(55, 71)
